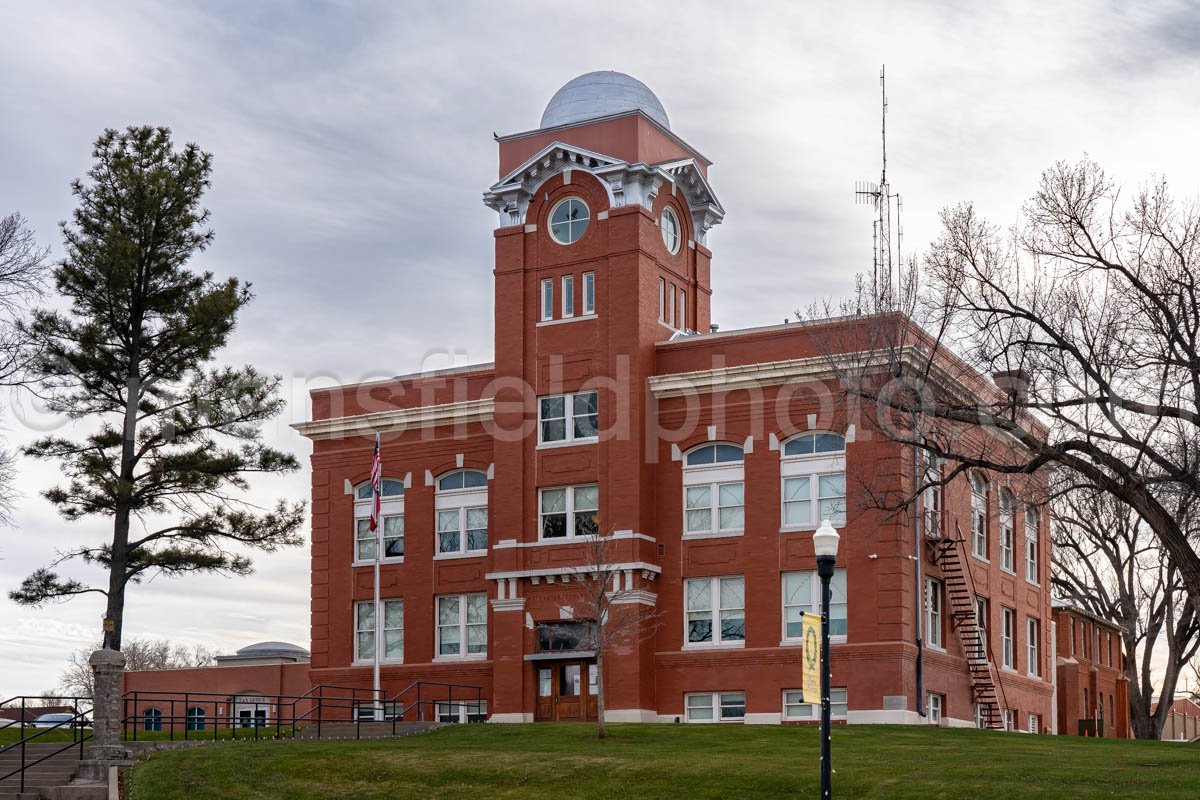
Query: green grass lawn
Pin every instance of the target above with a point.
(680, 762)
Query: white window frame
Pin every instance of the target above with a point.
(714, 477)
(390, 507)
(983, 622)
(570, 510)
(585, 221)
(934, 611)
(1034, 723)
(813, 467)
(1032, 553)
(933, 707)
(568, 418)
(671, 307)
(662, 300)
(463, 627)
(979, 516)
(796, 710)
(463, 501)
(813, 606)
(589, 293)
(1010, 719)
(1008, 536)
(717, 703)
(715, 613)
(1008, 638)
(676, 230)
(378, 612)
(568, 296)
(547, 311)
(682, 309)
(982, 718)
(931, 498)
(1033, 664)
(460, 712)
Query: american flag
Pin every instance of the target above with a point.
(376, 486)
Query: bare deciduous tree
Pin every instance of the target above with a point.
(614, 613)
(1109, 564)
(1087, 311)
(140, 654)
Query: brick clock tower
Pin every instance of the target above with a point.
(600, 255)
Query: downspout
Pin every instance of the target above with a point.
(1054, 675)
(920, 604)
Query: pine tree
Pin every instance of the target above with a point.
(173, 438)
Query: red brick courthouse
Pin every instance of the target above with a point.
(614, 407)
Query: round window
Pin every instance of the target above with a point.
(670, 230)
(568, 220)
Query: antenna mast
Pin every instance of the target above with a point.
(886, 269)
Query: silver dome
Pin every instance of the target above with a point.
(599, 94)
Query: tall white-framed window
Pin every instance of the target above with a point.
(796, 710)
(670, 230)
(715, 611)
(714, 706)
(1008, 638)
(981, 716)
(461, 503)
(589, 293)
(802, 595)
(979, 516)
(682, 310)
(569, 418)
(662, 299)
(547, 299)
(1035, 723)
(931, 497)
(462, 626)
(671, 307)
(569, 511)
(1007, 535)
(813, 469)
(981, 622)
(1033, 664)
(1031, 545)
(933, 613)
(1010, 719)
(713, 491)
(391, 507)
(568, 296)
(933, 708)
(365, 619)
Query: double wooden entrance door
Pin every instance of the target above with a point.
(566, 690)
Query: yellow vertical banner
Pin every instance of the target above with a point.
(811, 633)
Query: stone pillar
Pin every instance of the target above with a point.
(108, 667)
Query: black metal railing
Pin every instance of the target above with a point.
(78, 723)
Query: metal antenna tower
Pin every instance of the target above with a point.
(886, 258)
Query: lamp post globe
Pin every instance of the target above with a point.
(825, 545)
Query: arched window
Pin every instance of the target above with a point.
(979, 516)
(713, 491)
(391, 508)
(1031, 545)
(813, 471)
(1007, 536)
(462, 513)
(670, 230)
(195, 719)
(569, 220)
(931, 498)
(152, 720)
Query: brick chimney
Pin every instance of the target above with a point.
(1014, 383)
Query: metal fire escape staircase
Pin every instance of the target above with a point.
(950, 555)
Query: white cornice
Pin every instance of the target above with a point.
(401, 419)
(573, 569)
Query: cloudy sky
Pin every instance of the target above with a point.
(352, 142)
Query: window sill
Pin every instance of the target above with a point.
(568, 443)
(810, 527)
(383, 662)
(460, 659)
(1010, 669)
(711, 535)
(935, 648)
(1034, 584)
(1008, 571)
(456, 556)
(564, 320)
(703, 646)
(382, 562)
(978, 557)
(800, 642)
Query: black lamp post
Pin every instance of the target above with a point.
(825, 543)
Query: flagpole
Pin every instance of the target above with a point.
(378, 610)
